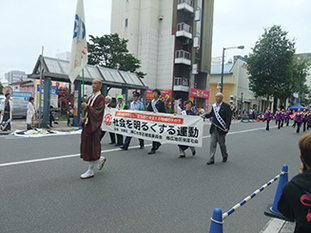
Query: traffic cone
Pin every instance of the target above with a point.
(273, 211)
(216, 224)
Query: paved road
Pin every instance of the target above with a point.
(137, 192)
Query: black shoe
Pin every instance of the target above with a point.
(112, 143)
(123, 148)
(210, 162)
(151, 152)
(118, 144)
(141, 147)
(224, 159)
(194, 152)
(55, 122)
(182, 156)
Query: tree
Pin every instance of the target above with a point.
(1, 87)
(296, 82)
(270, 63)
(111, 51)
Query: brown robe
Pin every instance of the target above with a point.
(90, 148)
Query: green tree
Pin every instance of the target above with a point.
(111, 51)
(270, 63)
(296, 82)
(1, 87)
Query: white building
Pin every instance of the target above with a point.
(171, 38)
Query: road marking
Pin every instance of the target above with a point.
(243, 131)
(103, 151)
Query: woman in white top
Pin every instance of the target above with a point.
(30, 120)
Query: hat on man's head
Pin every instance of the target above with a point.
(136, 93)
(157, 90)
(120, 97)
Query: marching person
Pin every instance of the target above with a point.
(287, 116)
(156, 106)
(112, 135)
(30, 118)
(304, 119)
(136, 105)
(182, 148)
(298, 119)
(6, 112)
(268, 117)
(90, 147)
(221, 114)
(278, 118)
(283, 113)
(308, 119)
(120, 106)
(295, 200)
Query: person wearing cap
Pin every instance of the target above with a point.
(156, 105)
(120, 105)
(136, 105)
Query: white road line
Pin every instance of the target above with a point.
(52, 158)
(103, 151)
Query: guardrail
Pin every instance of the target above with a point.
(218, 218)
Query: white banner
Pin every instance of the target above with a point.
(160, 127)
(79, 45)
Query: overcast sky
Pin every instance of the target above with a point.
(26, 25)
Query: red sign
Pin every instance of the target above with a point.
(166, 94)
(199, 93)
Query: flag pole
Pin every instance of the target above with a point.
(83, 89)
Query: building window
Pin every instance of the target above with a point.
(126, 22)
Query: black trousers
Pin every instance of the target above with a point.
(298, 126)
(155, 145)
(128, 140)
(112, 137)
(267, 127)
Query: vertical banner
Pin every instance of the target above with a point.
(79, 45)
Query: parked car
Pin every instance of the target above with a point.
(19, 107)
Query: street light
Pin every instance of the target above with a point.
(223, 61)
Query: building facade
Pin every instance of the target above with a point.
(235, 86)
(16, 76)
(172, 39)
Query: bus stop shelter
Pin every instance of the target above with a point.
(53, 69)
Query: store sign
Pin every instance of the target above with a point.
(166, 94)
(199, 93)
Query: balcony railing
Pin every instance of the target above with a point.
(182, 57)
(184, 30)
(181, 84)
(186, 5)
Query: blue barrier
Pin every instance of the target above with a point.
(272, 211)
(217, 222)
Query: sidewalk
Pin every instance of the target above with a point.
(20, 124)
(276, 225)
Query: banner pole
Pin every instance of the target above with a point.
(83, 90)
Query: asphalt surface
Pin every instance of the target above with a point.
(137, 192)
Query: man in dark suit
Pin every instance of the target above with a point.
(221, 114)
(155, 106)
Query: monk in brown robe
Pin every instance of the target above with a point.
(90, 147)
